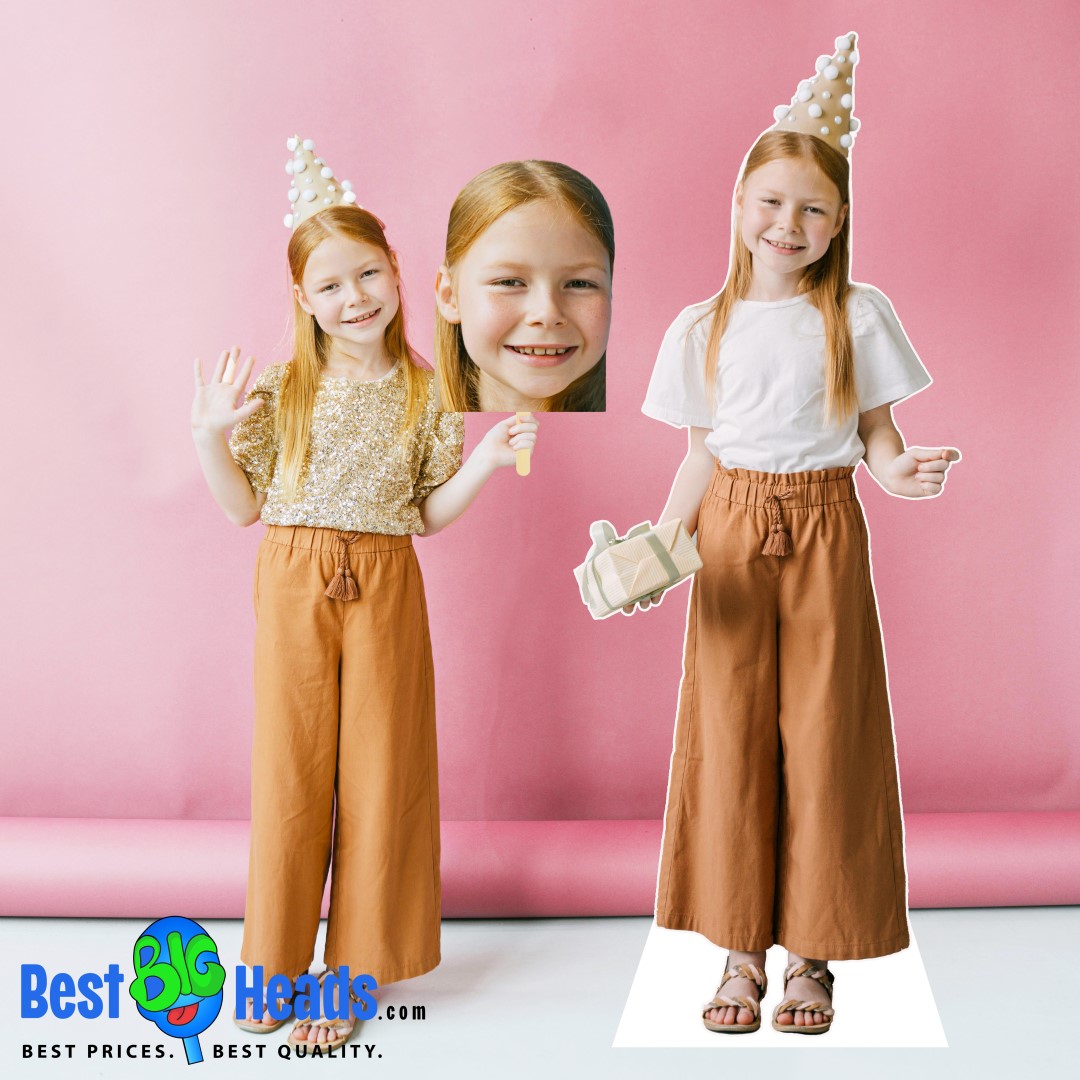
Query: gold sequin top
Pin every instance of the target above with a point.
(355, 477)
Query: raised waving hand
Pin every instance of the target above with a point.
(216, 406)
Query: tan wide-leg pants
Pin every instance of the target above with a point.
(783, 817)
(344, 760)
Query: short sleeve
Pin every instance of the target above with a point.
(677, 393)
(887, 368)
(252, 442)
(442, 453)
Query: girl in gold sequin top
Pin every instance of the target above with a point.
(343, 455)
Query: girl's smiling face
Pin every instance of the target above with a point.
(533, 297)
(351, 290)
(789, 212)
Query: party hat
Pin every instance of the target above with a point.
(821, 106)
(313, 187)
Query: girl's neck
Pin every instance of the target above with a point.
(767, 285)
(358, 363)
(494, 396)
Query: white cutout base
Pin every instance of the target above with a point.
(679, 970)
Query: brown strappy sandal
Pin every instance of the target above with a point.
(807, 971)
(336, 1025)
(257, 1028)
(746, 971)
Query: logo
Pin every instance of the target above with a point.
(178, 980)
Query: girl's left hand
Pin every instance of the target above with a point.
(508, 436)
(919, 473)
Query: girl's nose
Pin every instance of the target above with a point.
(544, 307)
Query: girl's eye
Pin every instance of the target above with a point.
(581, 283)
(327, 288)
(508, 281)
(815, 210)
(771, 202)
(373, 270)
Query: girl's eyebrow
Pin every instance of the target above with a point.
(520, 267)
(821, 199)
(359, 266)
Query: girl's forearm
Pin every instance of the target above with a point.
(226, 479)
(450, 500)
(884, 444)
(691, 483)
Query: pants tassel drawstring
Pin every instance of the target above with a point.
(343, 585)
(779, 541)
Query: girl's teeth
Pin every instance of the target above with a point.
(539, 352)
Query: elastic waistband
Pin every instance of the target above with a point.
(816, 487)
(330, 540)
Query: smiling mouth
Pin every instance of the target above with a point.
(543, 355)
(782, 246)
(361, 319)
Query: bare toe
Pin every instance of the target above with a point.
(800, 1018)
(745, 1016)
(785, 1018)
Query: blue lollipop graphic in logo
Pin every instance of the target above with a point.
(178, 980)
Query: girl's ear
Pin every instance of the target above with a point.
(301, 299)
(445, 295)
(738, 195)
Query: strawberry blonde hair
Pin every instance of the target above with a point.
(826, 283)
(481, 202)
(311, 344)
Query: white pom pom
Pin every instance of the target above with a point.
(831, 72)
(288, 221)
(309, 144)
(848, 80)
(291, 143)
(346, 186)
(327, 201)
(845, 140)
(309, 195)
(824, 131)
(326, 172)
(330, 187)
(804, 95)
(288, 165)
(842, 43)
(822, 62)
(298, 154)
(826, 95)
(310, 180)
(838, 120)
(805, 84)
(318, 161)
(854, 123)
(299, 165)
(814, 111)
(294, 194)
(854, 57)
(348, 197)
(845, 101)
(779, 111)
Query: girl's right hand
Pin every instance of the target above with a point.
(215, 409)
(645, 602)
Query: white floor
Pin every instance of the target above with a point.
(541, 998)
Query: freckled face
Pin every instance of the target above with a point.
(789, 212)
(351, 289)
(533, 297)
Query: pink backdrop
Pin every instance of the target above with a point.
(144, 192)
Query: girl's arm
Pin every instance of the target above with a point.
(914, 473)
(688, 489)
(496, 449)
(691, 482)
(213, 413)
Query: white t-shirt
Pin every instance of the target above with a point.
(769, 408)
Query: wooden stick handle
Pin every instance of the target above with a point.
(521, 457)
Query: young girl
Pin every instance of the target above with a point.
(343, 455)
(783, 817)
(523, 300)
